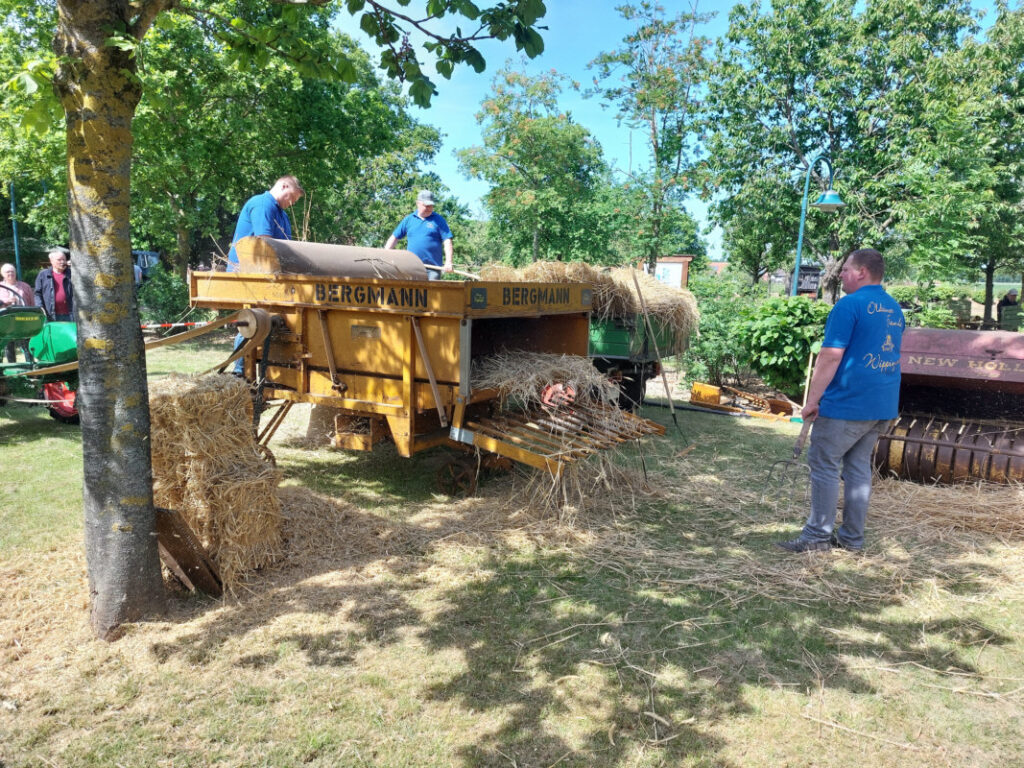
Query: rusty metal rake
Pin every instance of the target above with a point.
(788, 475)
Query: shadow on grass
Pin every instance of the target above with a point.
(21, 424)
(669, 633)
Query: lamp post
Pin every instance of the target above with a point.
(14, 229)
(829, 201)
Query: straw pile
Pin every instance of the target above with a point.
(520, 377)
(208, 467)
(615, 295)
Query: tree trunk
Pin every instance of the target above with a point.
(184, 238)
(99, 92)
(990, 279)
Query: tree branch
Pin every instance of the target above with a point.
(148, 10)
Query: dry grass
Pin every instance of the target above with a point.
(521, 377)
(997, 511)
(655, 626)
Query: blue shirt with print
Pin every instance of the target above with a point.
(868, 324)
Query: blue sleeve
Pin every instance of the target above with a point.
(399, 232)
(839, 326)
(446, 233)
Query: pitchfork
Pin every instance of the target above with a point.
(789, 473)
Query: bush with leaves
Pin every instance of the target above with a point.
(163, 297)
(905, 295)
(714, 355)
(932, 317)
(779, 335)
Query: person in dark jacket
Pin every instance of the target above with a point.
(1009, 300)
(53, 288)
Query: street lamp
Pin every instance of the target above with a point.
(829, 202)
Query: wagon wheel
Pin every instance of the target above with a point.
(496, 465)
(458, 477)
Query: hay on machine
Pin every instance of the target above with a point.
(615, 294)
(208, 468)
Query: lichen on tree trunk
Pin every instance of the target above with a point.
(99, 91)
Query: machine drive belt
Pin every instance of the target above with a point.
(254, 324)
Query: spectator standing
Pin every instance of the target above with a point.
(1009, 300)
(428, 235)
(53, 289)
(852, 398)
(15, 293)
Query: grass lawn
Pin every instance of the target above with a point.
(406, 628)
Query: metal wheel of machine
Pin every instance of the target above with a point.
(63, 418)
(458, 477)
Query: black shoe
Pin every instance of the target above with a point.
(802, 545)
(836, 543)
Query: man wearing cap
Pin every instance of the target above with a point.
(263, 215)
(428, 234)
(1009, 300)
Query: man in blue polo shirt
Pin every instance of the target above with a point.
(428, 234)
(264, 215)
(852, 399)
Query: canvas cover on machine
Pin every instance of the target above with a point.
(55, 344)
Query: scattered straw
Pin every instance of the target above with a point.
(988, 508)
(208, 467)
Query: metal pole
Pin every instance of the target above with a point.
(803, 217)
(818, 157)
(14, 226)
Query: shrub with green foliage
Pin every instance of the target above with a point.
(163, 298)
(779, 335)
(715, 356)
(904, 294)
(932, 317)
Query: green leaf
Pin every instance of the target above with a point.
(421, 90)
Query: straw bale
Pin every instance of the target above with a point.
(208, 467)
(672, 307)
(499, 273)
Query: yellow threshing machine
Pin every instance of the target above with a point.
(362, 330)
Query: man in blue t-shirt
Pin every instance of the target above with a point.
(264, 215)
(853, 398)
(428, 234)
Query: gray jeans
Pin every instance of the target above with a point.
(841, 448)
